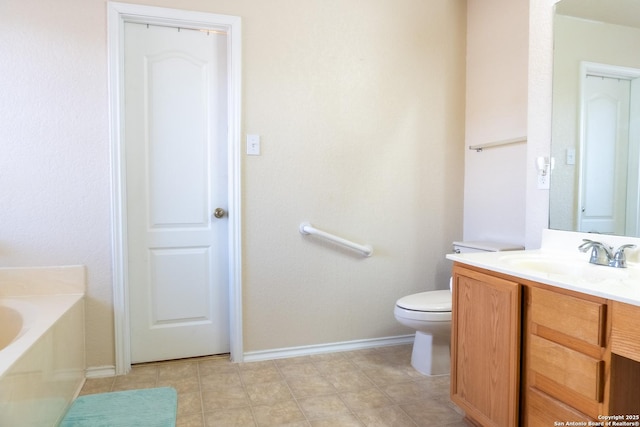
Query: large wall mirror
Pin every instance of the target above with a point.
(595, 183)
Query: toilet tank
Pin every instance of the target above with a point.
(484, 246)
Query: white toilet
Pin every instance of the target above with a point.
(429, 313)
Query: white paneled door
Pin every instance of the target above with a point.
(175, 140)
(605, 149)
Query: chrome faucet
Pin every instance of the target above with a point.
(602, 254)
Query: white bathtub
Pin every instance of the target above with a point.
(12, 322)
(41, 344)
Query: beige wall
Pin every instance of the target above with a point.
(54, 161)
(360, 106)
(538, 122)
(496, 110)
(538, 114)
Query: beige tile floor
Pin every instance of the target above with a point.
(372, 387)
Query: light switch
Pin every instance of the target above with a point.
(253, 145)
(571, 156)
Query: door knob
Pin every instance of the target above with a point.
(219, 213)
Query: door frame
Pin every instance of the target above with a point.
(117, 14)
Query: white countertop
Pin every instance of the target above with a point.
(568, 268)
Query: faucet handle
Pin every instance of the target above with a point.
(587, 245)
(628, 246)
(619, 259)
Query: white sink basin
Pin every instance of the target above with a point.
(544, 264)
(579, 268)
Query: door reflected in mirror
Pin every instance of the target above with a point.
(595, 185)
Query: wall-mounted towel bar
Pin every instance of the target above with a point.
(306, 228)
(481, 147)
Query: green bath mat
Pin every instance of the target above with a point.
(152, 407)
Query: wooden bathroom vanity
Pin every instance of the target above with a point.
(529, 353)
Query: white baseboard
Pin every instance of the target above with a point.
(101, 372)
(281, 353)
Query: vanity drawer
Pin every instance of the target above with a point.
(544, 411)
(625, 330)
(565, 370)
(572, 317)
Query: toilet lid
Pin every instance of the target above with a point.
(427, 301)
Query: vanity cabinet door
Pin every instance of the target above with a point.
(625, 359)
(565, 355)
(485, 347)
(625, 339)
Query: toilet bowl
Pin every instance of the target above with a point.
(429, 313)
